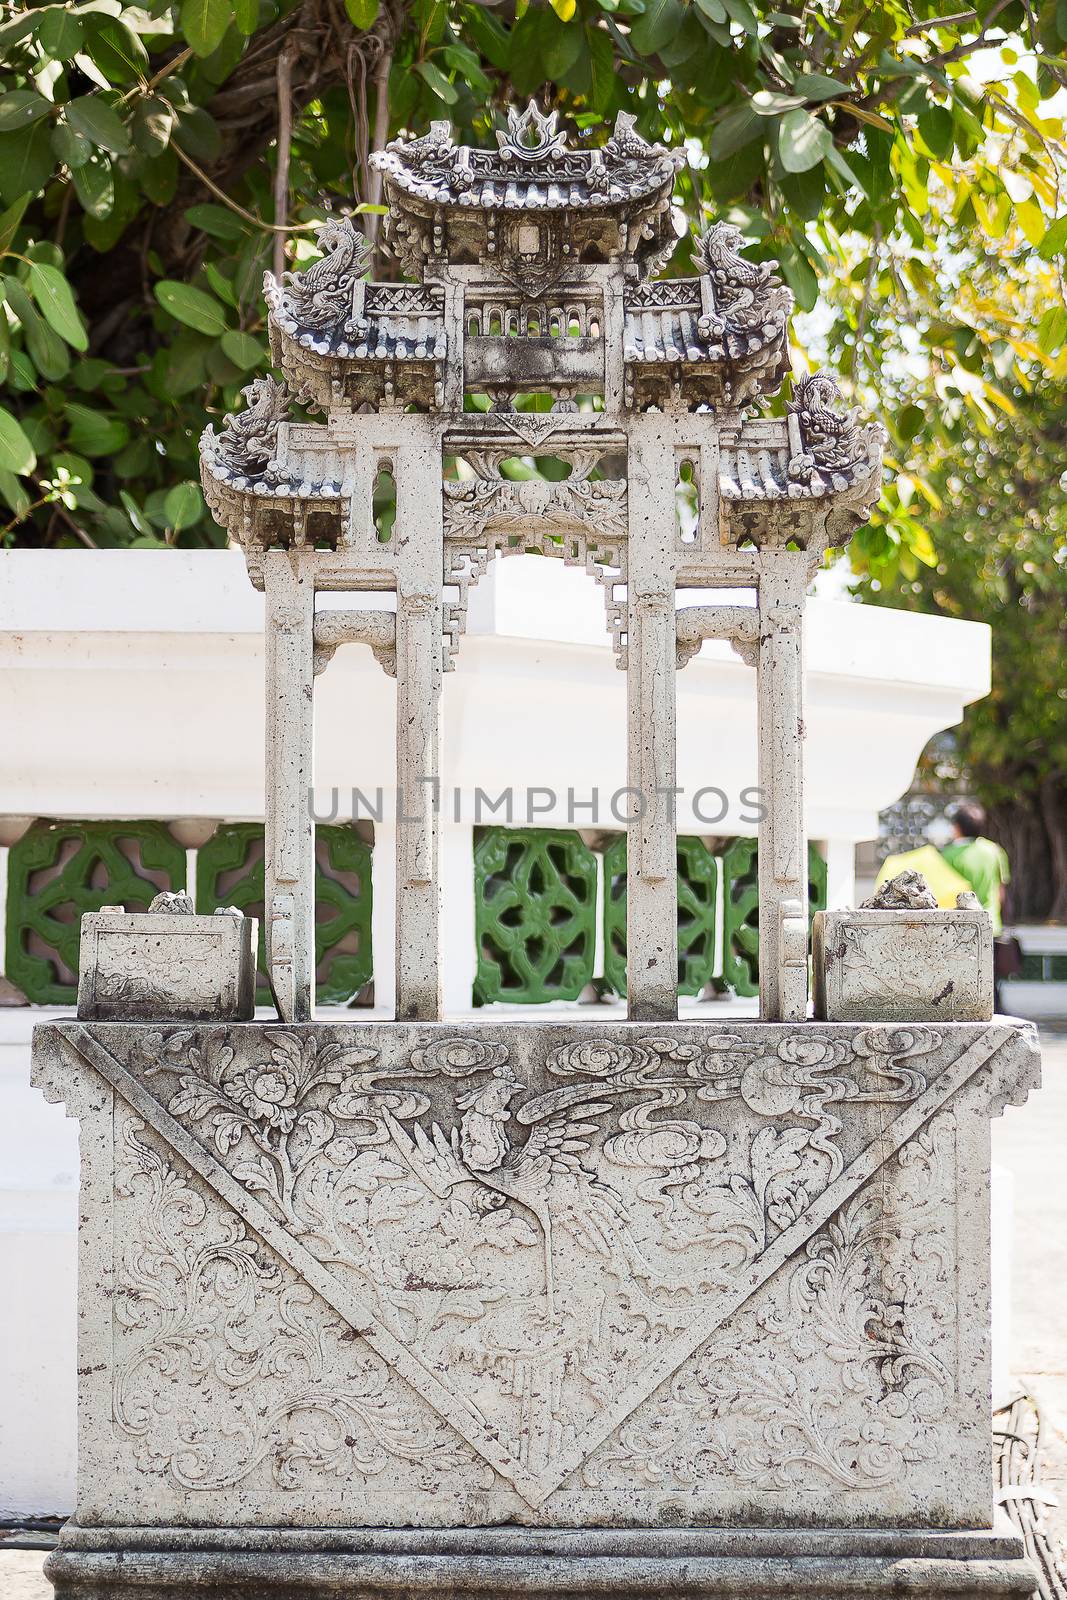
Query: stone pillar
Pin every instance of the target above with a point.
(418, 540)
(383, 914)
(289, 864)
(460, 955)
(783, 887)
(651, 874)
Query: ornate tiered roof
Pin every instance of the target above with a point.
(450, 200)
(534, 265)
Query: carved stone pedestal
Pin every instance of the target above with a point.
(572, 1285)
(564, 1564)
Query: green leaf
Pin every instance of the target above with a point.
(732, 132)
(817, 86)
(16, 451)
(70, 146)
(217, 221)
(1051, 330)
(220, 284)
(45, 348)
(801, 279)
(22, 377)
(741, 12)
(435, 78)
(242, 349)
(60, 33)
(159, 178)
(769, 104)
(16, 28)
(183, 505)
(909, 422)
(153, 123)
(204, 23)
(14, 494)
(659, 24)
(53, 294)
(562, 48)
(94, 434)
(1055, 240)
(714, 10)
(198, 134)
(26, 161)
(601, 69)
(191, 306)
(119, 54)
(362, 13)
(185, 367)
(938, 131)
(94, 184)
(92, 115)
(803, 141)
(9, 222)
(22, 107)
(246, 16)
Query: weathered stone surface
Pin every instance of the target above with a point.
(903, 966)
(537, 268)
(395, 1275)
(567, 1564)
(167, 964)
(572, 1308)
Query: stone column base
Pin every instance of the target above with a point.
(565, 1564)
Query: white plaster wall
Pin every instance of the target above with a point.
(131, 686)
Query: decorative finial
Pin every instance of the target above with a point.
(908, 891)
(832, 442)
(247, 442)
(320, 300)
(532, 135)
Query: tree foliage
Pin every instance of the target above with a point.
(153, 156)
(1002, 556)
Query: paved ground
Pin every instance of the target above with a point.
(21, 1577)
(1031, 1142)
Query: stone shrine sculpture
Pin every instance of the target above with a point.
(493, 1308)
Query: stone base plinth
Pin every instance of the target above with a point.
(500, 1564)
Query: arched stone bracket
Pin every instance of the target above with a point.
(374, 628)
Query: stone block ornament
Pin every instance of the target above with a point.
(562, 1307)
(900, 958)
(167, 963)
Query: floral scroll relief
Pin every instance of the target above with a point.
(541, 1243)
(838, 1381)
(227, 1367)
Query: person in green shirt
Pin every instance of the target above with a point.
(984, 864)
(976, 858)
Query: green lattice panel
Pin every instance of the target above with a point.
(740, 929)
(229, 872)
(57, 871)
(698, 894)
(535, 915)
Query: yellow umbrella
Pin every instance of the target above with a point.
(943, 879)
